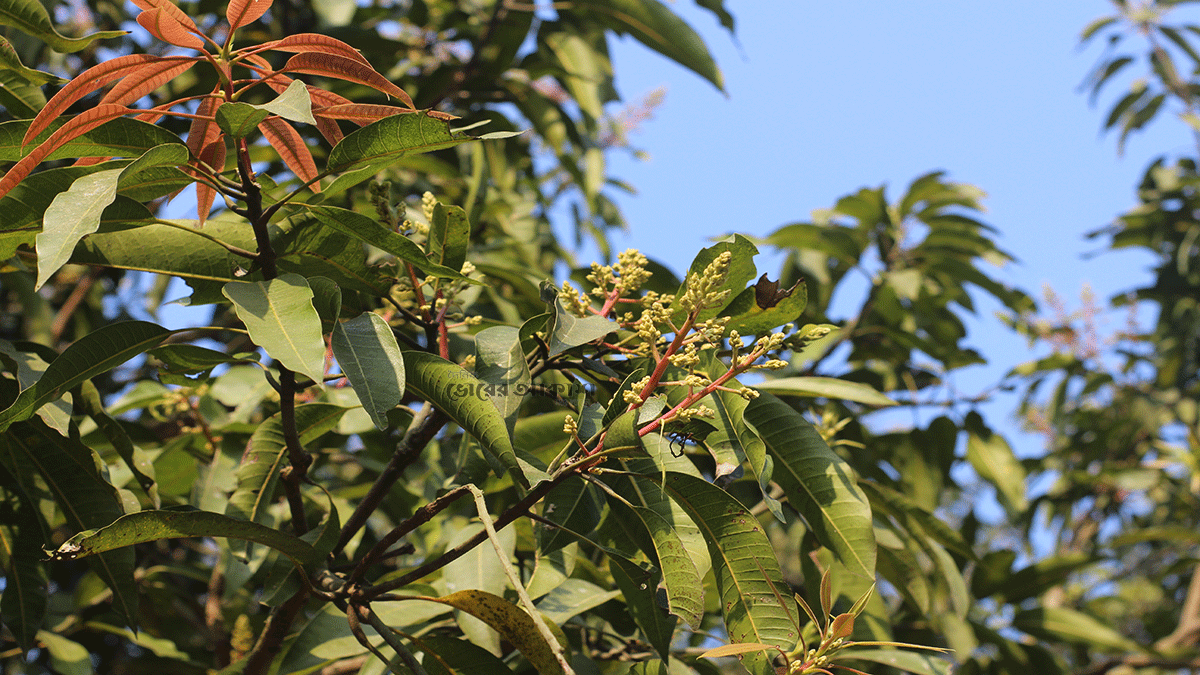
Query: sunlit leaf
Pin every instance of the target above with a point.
(369, 356)
(280, 318)
(31, 17)
(825, 387)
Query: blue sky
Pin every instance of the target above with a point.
(827, 97)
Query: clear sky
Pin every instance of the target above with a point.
(827, 97)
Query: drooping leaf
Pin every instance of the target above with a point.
(684, 585)
(569, 331)
(293, 149)
(572, 504)
(449, 234)
(994, 461)
(31, 17)
(23, 603)
(369, 356)
(500, 362)
(462, 398)
(147, 526)
(67, 469)
(640, 591)
(266, 455)
(98, 352)
(732, 430)
(825, 387)
(820, 485)
(1073, 626)
(76, 213)
(908, 661)
(755, 599)
(510, 621)
(280, 318)
(11, 61)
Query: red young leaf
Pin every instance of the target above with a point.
(166, 26)
(315, 43)
(242, 12)
(204, 129)
(148, 78)
(291, 148)
(280, 82)
(213, 155)
(360, 113)
(85, 83)
(329, 129)
(342, 68)
(75, 126)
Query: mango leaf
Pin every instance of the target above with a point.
(500, 362)
(571, 598)
(741, 272)
(994, 461)
(19, 96)
(292, 149)
(258, 474)
(825, 387)
(908, 661)
(242, 12)
(660, 29)
(68, 470)
(239, 119)
(755, 600)
(446, 655)
(367, 352)
(147, 526)
(11, 61)
(179, 251)
(732, 430)
(75, 213)
(23, 603)
(66, 656)
(31, 17)
(280, 318)
(377, 146)
(819, 484)
(572, 504)
(683, 582)
(569, 331)
(370, 231)
(640, 590)
(478, 569)
(510, 621)
(449, 234)
(463, 398)
(97, 352)
(1069, 625)
(765, 306)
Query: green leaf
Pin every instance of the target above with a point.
(759, 308)
(265, 456)
(449, 234)
(371, 232)
(1069, 625)
(11, 61)
(480, 570)
(820, 485)
(732, 430)
(147, 526)
(280, 318)
(450, 656)
(683, 582)
(378, 145)
(97, 352)
(183, 359)
(573, 597)
(569, 331)
(908, 661)
(178, 251)
(294, 104)
(238, 119)
(23, 603)
(572, 504)
(76, 213)
(368, 354)
(463, 398)
(755, 600)
(640, 590)
(825, 387)
(31, 17)
(994, 461)
(121, 137)
(68, 470)
(18, 96)
(500, 362)
(66, 656)
(510, 621)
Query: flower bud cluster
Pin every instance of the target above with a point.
(573, 300)
(626, 277)
(702, 289)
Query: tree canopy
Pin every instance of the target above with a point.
(405, 430)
